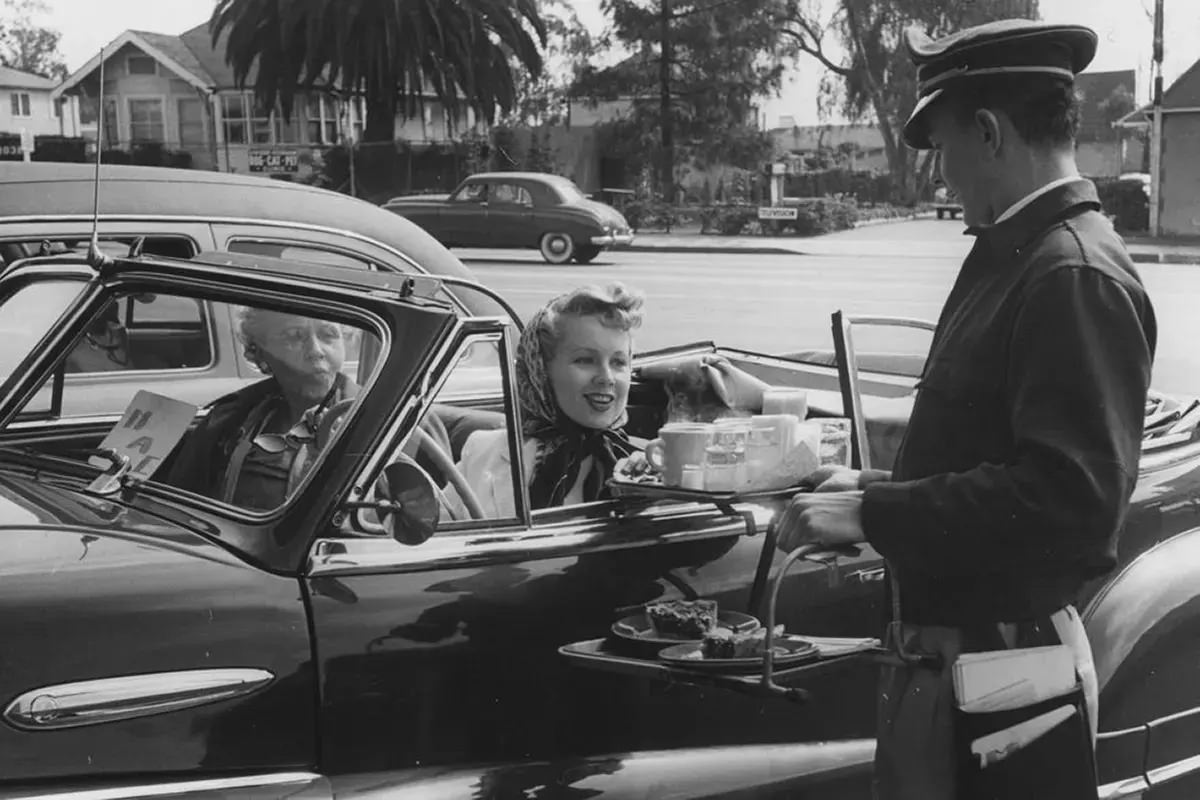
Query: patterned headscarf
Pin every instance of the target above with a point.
(562, 443)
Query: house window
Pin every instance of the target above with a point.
(112, 130)
(261, 125)
(321, 113)
(358, 116)
(141, 65)
(233, 111)
(146, 121)
(191, 122)
(20, 104)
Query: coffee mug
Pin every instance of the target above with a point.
(785, 400)
(679, 444)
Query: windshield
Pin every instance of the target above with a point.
(28, 314)
(232, 402)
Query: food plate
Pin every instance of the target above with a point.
(788, 652)
(636, 628)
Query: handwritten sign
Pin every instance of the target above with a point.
(776, 212)
(149, 429)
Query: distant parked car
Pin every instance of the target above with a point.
(946, 202)
(519, 209)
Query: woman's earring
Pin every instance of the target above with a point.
(254, 356)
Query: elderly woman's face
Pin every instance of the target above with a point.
(590, 370)
(303, 354)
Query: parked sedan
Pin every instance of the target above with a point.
(519, 209)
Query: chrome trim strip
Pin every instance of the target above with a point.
(1129, 787)
(299, 780)
(345, 556)
(1171, 772)
(71, 705)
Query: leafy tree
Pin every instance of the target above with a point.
(542, 97)
(26, 46)
(873, 78)
(697, 68)
(394, 53)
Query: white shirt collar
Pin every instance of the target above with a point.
(1034, 195)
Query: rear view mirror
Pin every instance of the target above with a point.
(412, 511)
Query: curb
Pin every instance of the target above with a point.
(750, 250)
(1165, 258)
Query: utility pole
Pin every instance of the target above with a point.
(667, 167)
(1156, 128)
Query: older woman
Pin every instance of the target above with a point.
(573, 367)
(245, 451)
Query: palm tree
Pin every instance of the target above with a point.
(391, 51)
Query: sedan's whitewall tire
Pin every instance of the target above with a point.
(557, 248)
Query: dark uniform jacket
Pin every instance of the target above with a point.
(1022, 450)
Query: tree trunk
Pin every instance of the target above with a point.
(903, 189)
(381, 119)
(667, 167)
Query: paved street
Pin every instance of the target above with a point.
(778, 303)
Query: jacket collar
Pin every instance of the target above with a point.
(1009, 237)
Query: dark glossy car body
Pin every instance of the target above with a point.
(297, 655)
(519, 209)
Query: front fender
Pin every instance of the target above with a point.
(1156, 594)
(838, 770)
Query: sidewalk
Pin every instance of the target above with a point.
(1143, 249)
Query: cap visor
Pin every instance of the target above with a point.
(916, 130)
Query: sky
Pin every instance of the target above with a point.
(1123, 26)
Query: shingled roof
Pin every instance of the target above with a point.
(16, 79)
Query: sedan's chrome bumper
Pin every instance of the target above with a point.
(613, 239)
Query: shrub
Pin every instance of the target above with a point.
(652, 214)
(814, 216)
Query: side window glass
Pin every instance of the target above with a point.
(145, 332)
(471, 193)
(464, 446)
(512, 194)
(299, 252)
(118, 246)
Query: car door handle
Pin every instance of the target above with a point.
(867, 575)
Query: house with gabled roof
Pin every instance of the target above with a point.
(176, 92)
(29, 110)
(1179, 171)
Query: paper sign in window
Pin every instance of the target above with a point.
(149, 429)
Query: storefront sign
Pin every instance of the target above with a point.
(274, 161)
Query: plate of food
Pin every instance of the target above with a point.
(666, 622)
(732, 651)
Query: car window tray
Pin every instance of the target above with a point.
(601, 654)
(656, 491)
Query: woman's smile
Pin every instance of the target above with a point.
(600, 401)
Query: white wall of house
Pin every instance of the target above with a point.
(34, 111)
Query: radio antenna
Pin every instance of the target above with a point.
(95, 257)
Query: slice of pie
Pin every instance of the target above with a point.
(724, 643)
(683, 619)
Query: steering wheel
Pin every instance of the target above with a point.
(440, 456)
(427, 436)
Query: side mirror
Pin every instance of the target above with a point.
(413, 512)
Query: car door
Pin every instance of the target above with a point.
(446, 653)
(510, 221)
(464, 216)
